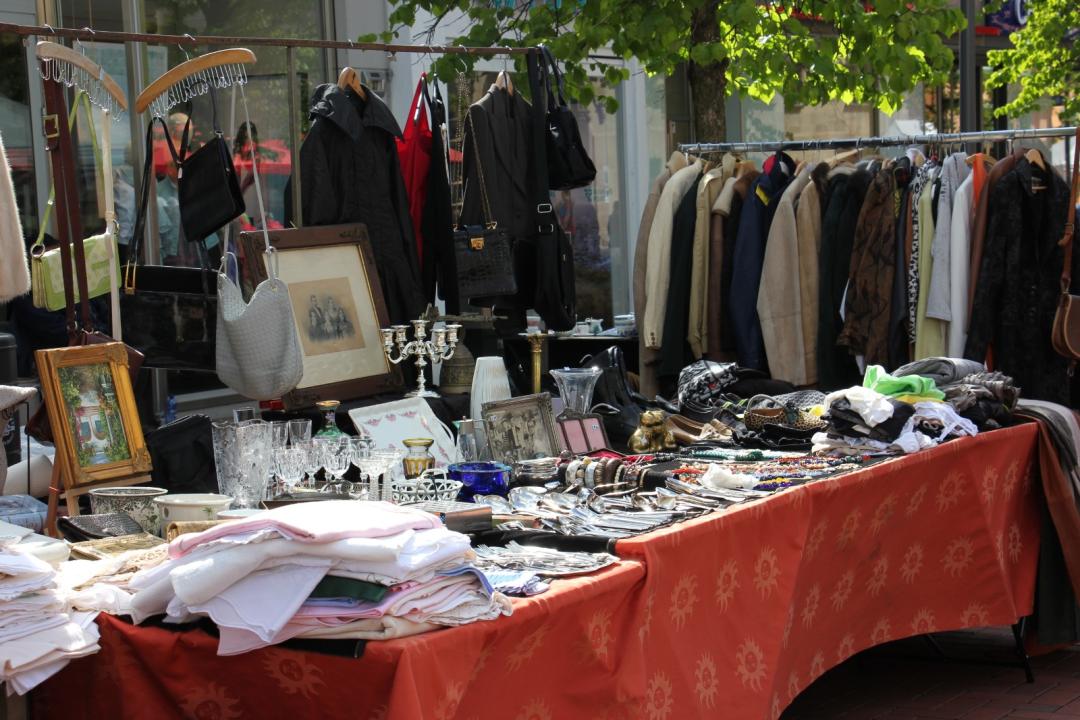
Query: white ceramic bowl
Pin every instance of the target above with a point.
(137, 501)
(238, 513)
(191, 507)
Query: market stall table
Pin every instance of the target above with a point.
(732, 613)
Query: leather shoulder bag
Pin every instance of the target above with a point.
(555, 297)
(1065, 334)
(568, 163)
(483, 254)
(169, 313)
(207, 187)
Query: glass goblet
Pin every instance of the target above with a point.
(279, 434)
(336, 456)
(300, 432)
(290, 463)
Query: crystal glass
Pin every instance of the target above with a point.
(242, 456)
(471, 441)
(379, 463)
(290, 463)
(336, 453)
(576, 387)
(279, 434)
(329, 410)
(300, 432)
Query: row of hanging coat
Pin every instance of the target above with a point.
(812, 271)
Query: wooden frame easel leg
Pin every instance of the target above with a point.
(55, 488)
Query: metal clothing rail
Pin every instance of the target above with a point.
(871, 142)
(191, 41)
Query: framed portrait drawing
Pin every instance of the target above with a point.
(521, 428)
(91, 407)
(338, 309)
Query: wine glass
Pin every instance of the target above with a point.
(336, 453)
(300, 432)
(290, 463)
(279, 434)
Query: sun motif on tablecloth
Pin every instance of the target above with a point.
(913, 560)
(881, 632)
(1016, 543)
(923, 622)
(766, 571)
(209, 702)
(792, 685)
(750, 664)
(842, 590)
(727, 582)
(525, 649)
(958, 556)
(817, 666)
(646, 617)
(707, 681)
(683, 599)
(846, 648)
(883, 514)
(447, 706)
(849, 529)
(480, 662)
(774, 707)
(878, 576)
(786, 636)
(1012, 479)
(916, 500)
(292, 672)
(810, 605)
(975, 615)
(950, 490)
(989, 484)
(379, 712)
(658, 698)
(598, 634)
(535, 710)
(999, 546)
(817, 536)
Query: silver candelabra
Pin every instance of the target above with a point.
(439, 348)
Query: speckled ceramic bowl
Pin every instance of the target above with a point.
(138, 502)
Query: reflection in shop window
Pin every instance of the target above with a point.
(16, 128)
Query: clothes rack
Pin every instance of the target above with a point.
(290, 45)
(871, 142)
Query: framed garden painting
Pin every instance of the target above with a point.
(91, 406)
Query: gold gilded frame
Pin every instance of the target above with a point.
(115, 354)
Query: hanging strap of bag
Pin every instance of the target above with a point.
(540, 87)
(1067, 237)
(485, 205)
(268, 250)
(59, 145)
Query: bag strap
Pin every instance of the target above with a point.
(112, 229)
(139, 228)
(69, 225)
(560, 86)
(489, 218)
(268, 249)
(538, 80)
(1067, 237)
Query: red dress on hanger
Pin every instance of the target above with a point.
(414, 150)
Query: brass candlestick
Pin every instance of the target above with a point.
(536, 342)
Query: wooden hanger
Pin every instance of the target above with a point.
(503, 80)
(190, 68)
(1035, 158)
(349, 79)
(845, 157)
(47, 50)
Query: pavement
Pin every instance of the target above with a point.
(908, 679)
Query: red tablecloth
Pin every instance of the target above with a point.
(731, 614)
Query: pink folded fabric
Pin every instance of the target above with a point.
(315, 522)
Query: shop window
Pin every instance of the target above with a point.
(17, 129)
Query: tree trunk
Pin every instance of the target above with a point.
(708, 83)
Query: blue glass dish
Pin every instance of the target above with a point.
(480, 478)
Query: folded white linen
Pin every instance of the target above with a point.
(235, 640)
(75, 638)
(316, 522)
(21, 573)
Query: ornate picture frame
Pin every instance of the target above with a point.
(338, 308)
(91, 406)
(521, 428)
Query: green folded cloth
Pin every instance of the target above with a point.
(877, 379)
(333, 586)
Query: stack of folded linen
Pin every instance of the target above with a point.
(37, 636)
(332, 569)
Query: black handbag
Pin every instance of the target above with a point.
(568, 164)
(207, 188)
(483, 254)
(182, 453)
(552, 255)
(169, 313)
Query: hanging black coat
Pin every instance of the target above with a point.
(1018, 286)
(437, 221)
(350, 173)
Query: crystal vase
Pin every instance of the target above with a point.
(242, 457)
(576, 389)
